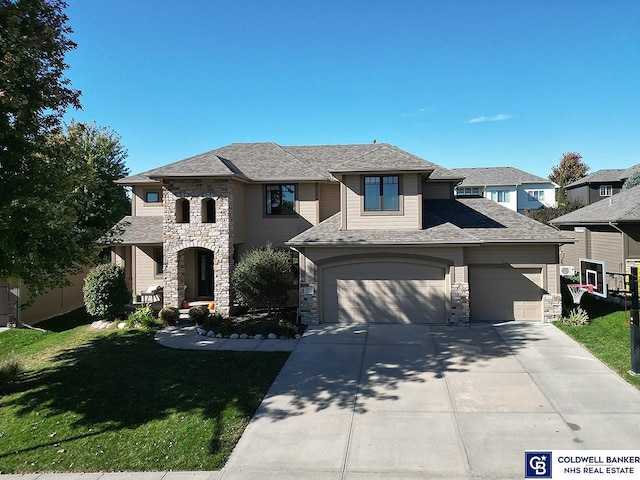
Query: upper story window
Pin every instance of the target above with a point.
(182, 210)
(158, 261)
(606, 190)
(381, 193)
(501, 196)
(537, 195)
(280, 199)
(208, 210)
(152, 197)
(467, 191)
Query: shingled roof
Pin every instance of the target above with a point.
(599, 176)
(623, 207)
(146, 230)
(446, 221)
(483, 176)
(268, 162)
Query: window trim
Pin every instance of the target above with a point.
(531, 195)
(607, 188)
(462, 191)
(497, 194)
(265, 189)
(146, 193)
(204, 210)
(399, 211)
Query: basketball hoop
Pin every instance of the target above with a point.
(577, 290)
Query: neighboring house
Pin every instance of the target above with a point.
(376, 231)
(53, 303)
(508, 186)
(596, 186)
(608, 230)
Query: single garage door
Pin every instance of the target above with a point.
(503, 292)
(384, 292)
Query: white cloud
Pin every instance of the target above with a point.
(490, 118)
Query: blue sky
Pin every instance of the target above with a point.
(460, 83)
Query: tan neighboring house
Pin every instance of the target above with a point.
(377, 233)
(608, 230)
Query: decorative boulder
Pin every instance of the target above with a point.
(201, 331)
(234, 336)
(219, 335)
(244, 336)
(211, 334)
(259, 336)
(272, 336)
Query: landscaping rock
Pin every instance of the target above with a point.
(244, 336)
(272, 336)
(121, 325)
(211, 334)
(219, 335)
(284, 337)
(101, 324)
(201, 331)
(259, 336)
(234, 336)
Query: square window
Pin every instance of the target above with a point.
(536, 195)
(382, 193)
(152, 197)
(501, 196)
(280, 199)
(606, 190)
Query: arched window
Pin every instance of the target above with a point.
(208, 210)
(182, 210)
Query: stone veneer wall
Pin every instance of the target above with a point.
(552, 307)
(217, 237)
(459, 304)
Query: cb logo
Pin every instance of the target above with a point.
(537, 465)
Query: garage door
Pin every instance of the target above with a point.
(384, 292)
(498, 293)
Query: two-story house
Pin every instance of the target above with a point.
(596, 186)
(377, 233)
(511, 187)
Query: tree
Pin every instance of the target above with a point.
(56, 196)
(569, 169)
(546, 214)
(632, 181)
(262, 278)
(105, 291)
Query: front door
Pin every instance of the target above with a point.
(205, 274)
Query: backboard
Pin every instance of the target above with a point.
(594, 272)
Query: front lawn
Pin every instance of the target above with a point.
(96, 400)
(608, 338)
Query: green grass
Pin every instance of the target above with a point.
(116, 400)
(608, 338)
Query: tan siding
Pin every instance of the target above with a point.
(572, 252)
(516, 254)
(608, 247)
(260, 229)
(308, 202)
(410, 212)
(141, 208)
(329, 200)
(55, 302)
(145, 269)
(436, 190)
(238, 212)
(449, 255)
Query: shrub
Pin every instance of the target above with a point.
(217, 323)
(10, 370)
(169, 315)
(199, 314)
(143, 317)
(577, 318)
(262, 278)
(105, 291)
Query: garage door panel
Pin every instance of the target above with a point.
(384, 292)
(505, 293)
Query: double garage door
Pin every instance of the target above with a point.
(504, 292)
(384, 292)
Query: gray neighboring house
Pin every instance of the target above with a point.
(511, 187)
(596, 186)
(608, 230)
(376, 232)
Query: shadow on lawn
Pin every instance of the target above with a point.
(123, 380)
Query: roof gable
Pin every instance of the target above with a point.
(621, 207)
(599, 176)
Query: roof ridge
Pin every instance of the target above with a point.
(299, 160)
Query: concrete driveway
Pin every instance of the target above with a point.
(414, 401)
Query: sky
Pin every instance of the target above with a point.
(461, 83)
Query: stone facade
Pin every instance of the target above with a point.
(459, 304)
(552, 307)
(195, 233)
(309, 303)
